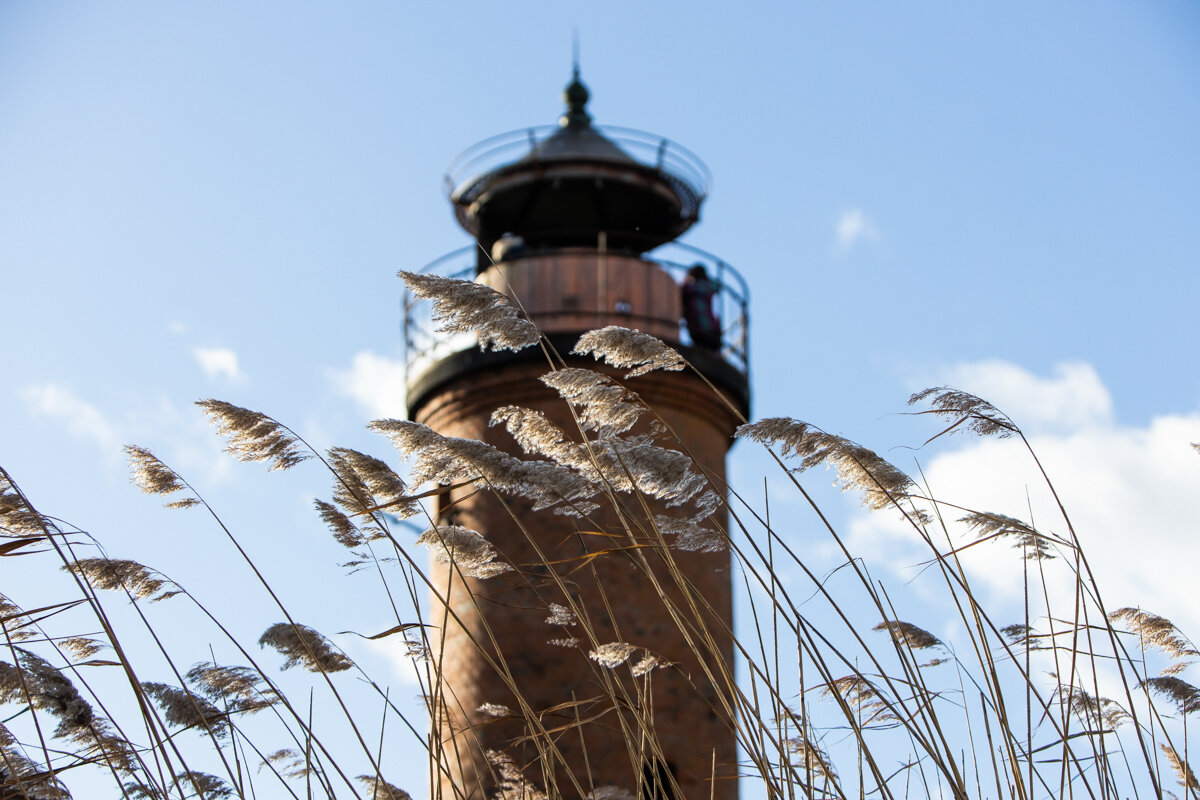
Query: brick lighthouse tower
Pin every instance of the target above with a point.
(579, 223)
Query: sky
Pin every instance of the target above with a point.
(212, 200)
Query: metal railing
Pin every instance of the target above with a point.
(647, 149)
(424, 345)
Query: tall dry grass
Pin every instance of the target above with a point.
(843, 694)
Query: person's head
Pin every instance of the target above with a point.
(697, 272)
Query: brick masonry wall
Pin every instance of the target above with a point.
(502, 619)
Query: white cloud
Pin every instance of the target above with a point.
(1129, 493)
(81, 418)
(1072, 398)
(376, 383)
(853, 226)
(218, 361)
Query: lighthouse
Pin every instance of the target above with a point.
(578, 224)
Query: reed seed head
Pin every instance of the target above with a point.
(610, 793)
(238, 689)
(861, 695)
(379, 789)
(1094, 712)
(447, 459)
(908, 634)
(495, 710)
(152, 476)
(303, 645)
(202, 784)
(600, 403)
(512, 784)
(185, 709)
(468, 307)
(466, 549)
(560, 615)
(622, 348)
(288, 762)
(1035, 545)
(254, 436)
(114, 574)
(1183, 771)
(811, 759)
(612, 654)
(1185, 696)
(364, 482)
(858, 468)
(1158, 632)
(964, 410)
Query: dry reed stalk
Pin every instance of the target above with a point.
(1036, 737)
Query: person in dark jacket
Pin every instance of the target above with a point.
(702, 321)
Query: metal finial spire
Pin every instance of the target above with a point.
(576, 94)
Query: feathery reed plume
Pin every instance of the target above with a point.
(622, 347)
(1094, 712)
(1159, 632)
(303, 645)
(142, 791)
(513, 784)
(858, 468)
(1021, 635)
(637, 464)
(1034, 544)
(113, 574)
(610, 793)
(447, 459)
(811, 759)
(379, 789)
(560, 615)
(238, 689)
(254, 436)
(39, 684)
(22, 779)
(472, 554)
(343, 528)
(690, 533)
(908, 634)
(154, 477)
(365, 482)
(1183, 771)
(1183, 694)
(81, 646)
(601, 404)
(495, 710)
(17, 517)
(416, 648)
(202, 785)
(465, 306)
(287, 762)
(533, 431)
(16, 623)
(860, 694)
(790, 435)
(964, 410)
(612, 654)
(185, 709)
(646, 662)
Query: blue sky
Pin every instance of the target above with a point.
(213, 199)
